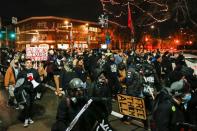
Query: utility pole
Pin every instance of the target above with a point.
(6, 33)
(0, 30)
(6, 36)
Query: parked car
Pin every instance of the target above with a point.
(191, 61)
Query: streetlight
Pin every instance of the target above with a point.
(152, 26)
(67, 25)
(177, 41)
(190, 42)
(146, 39)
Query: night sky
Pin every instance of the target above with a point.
(77, 9)
(81, 9)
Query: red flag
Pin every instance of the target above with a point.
(130, 24)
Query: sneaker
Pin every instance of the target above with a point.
(21, 107)
(26, 123)
(17, 107)
(30, 121)
(38, 96)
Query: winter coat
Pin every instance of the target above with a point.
(10, 78)
(157, 66)
(166, 113)
(67, 110)
(133, 82)
(28, 86)
(166, 64)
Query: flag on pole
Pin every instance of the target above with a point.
(130, 24)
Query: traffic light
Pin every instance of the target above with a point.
(1, 35)
(12, 35)
(107, 38)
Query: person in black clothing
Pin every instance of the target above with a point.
(111, 68)
(133, 82)
(180, 60)
(169, 105)
(166, 64)
(70, 106)
(101, 88)
(157, 65)
(30, 76)
(80, 70)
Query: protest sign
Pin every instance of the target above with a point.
(132, 106)
(37, 53)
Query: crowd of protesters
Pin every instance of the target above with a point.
(169, 92)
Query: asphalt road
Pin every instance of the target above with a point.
(44, 115)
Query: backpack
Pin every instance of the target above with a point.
(19, 92)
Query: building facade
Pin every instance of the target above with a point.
(59, 32)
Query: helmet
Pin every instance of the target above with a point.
(138, 60)
(179, 88)
(76, 83)
(138, 67)
(187, 71)
(148, 69)
(147, 72)
(121, 66)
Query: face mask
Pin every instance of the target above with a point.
(74, 99)
(186, 99)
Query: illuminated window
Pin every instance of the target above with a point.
(92, 38)
(42, 24)
(93, 29)
(60, 25)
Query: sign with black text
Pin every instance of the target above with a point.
(132, 106)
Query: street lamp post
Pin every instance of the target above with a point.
(103, 21)
(6, 35)
(67, 25)
(158, 33)
(88, 39)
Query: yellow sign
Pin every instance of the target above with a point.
(132, 106)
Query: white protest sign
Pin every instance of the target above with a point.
(37, 53)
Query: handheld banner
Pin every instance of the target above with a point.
(37, 53)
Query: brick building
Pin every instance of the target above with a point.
(59, 32)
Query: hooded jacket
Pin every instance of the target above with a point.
(10, 78)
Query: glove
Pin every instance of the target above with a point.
(30, 77)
